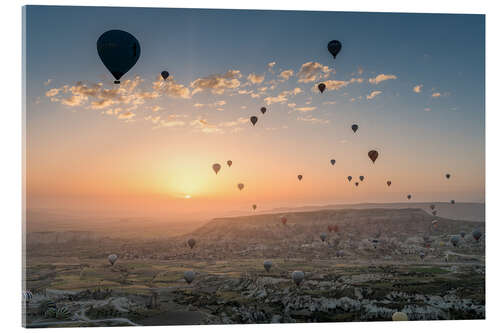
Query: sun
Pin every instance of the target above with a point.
(187, 196)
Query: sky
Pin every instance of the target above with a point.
(414, 83)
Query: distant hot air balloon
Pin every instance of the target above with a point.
(409, 196)
(283, 220)
(389, 183)
(112, 258)
(447, 176)
(339, 254)
(299, 177)
(452, 202)
(462, 234)
(349, 178)
(332, 162)
(373, 154)
(216, 167)
(477, 234)
(399, 316)
(240, 186)
(191, 242)
(354, 128)
(454, 240)
(254, 119)
(361, 178)
(229, 163)
(165, 75)
(334, 47)
(323, 236)
(119, 52)
(267, 265)
(356, 183)
(189, 276)
(321, 87)
(434, 212)
(297, 277)
(263, 110)
(434, 223)
(432, 206)
(254, 206)
(422, 255)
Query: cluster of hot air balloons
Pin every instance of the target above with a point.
(334, 47)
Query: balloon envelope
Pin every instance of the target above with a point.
(263, 110)
(361, 178)
(477, 234)
(283, 220)
(409, 196)
(332, 162)
(297, 277)
(189, 276)
(112, 258)
(119, 52)
(321, 87)
(253, 120)
(323, 236)
(389, 183)
(299, 177)
(354, 128)
(349, 178)
(454, 240)
(267, 265)
(216, 167)
(399, 316)
(229, 163)
(373, 155)
(334, 47)
(191, 242)
(165, 75)
(240, 186)
(254, 206)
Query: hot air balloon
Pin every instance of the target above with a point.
(356, 183)
(299, 177)
(434, 212)
(229, 163)
(373, 154)
(462, 234)
(267, 265)
(334, 47)
(454, 240)
(283, 220)
(332, 162)
(389, 183)
(191, 242)
(165, 75)
(339, 254)
(409, 196)
(253, 120)
(452, 202)
(112, 259)
(321, 87)
(119, 51)
(263, 110)
(240, 186)
(189, 276)
(421, 255)
(254, 206)
(399, 316)
(297, 277)
(477, 234)
(216, 167)
(349, 178)
(323, 236)
(447, 176)
(354, 128)
(434, 223)
(432, 206)
(361, 178)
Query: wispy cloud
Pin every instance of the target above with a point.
(382, 77)
(285, 75)
(313, 71)
(436, 95)
(313, 120)
(217, 83)
(283, 96)
(373, 94)
(418, 88)
(255, 78)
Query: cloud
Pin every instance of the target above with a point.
(255, 79)
(171, 88)
(292, 105)
(285, 75)
(418, 88)
(312, 71)
(245, 92)
(46, 83)
(217, 83)
(156, 108)
(126, 115)
(306, 108)
(283, 96)
(373, 94)
(436, 95)
(427, 109)
(338, 84)
(271, 65)
(52, 92)
(233, 123)
(313, 120)
(382, 77)
(329, 102)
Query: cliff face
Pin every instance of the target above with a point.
(34, 238)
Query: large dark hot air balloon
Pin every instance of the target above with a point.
(299, 177)
(334, 47)
(373, 154)
(254, 206)
(321, 87)
(216, 167)
(447, 176)
(409, 196)
(229, 163)
(119, 52)
(263, 110)
(389, 183)
(361, 178)
(254, 119)
(356, 183)
(240, 186)
(432, 206)
(349, 178)
(477, 234)
(332, 162)
(452, 202)
(165, 75)
(354, 128)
